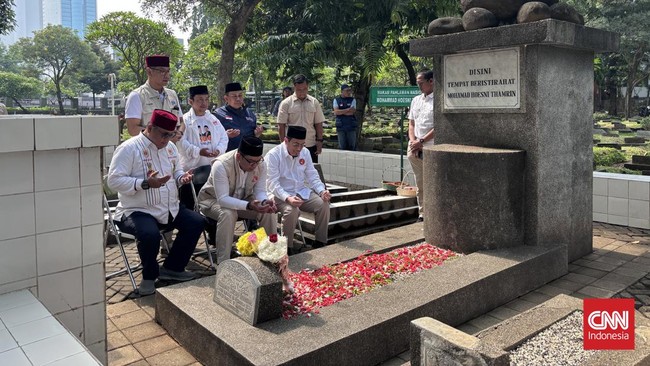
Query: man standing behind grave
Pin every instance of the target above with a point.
(296, 186)
(421, 131)
(153, 94)
(236, 118)
(146, 174)
(346, 123)
(198, 148)
(236, 188)
(301, 109)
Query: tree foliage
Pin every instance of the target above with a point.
(15, 87)
(96, 78)
(7, 16)
(237, 13)
(133, 38)
(58, 54)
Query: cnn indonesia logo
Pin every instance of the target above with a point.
(608, 323)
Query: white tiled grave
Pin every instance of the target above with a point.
(30, 335)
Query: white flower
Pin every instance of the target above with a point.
(272, 252)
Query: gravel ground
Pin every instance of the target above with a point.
(559, 344)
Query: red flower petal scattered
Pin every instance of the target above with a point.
(330, 284)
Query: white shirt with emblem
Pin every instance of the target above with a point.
(289, 176)
(201, 132)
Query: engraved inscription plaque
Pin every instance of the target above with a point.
(237, 289)
(482, 80)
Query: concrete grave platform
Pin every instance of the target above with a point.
(365, 329)
(434, 340)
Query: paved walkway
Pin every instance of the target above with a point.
(618, 267)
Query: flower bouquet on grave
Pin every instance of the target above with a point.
(269, 248)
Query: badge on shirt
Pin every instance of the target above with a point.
(170, 151)
(255, 178)
(145, 153)
(302, 161)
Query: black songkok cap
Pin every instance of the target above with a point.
(198, 90)
(157, 61)
(297, 132)
(233, 87)
(251, 146)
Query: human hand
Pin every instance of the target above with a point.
(258, 131)
(155, 182)
(207, 153)
(270, 206)
(295, 201)
(232, 132)
(319, 147)
(326, 195)
(187, 177)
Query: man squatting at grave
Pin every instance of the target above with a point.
(421, 131)
(296, 186)
(204, 139)
(141, 172)
(236, 189)
(153, 94)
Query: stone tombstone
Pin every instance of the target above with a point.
(538, 100)
(250, 289)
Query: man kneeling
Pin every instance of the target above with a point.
(141, 172)
(236, 188)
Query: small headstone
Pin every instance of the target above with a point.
(533, 11)
(599, 131)
(610, 145)
(634, 140)
(478, 18)
(250, 289)
(643, 133)
(445, 25)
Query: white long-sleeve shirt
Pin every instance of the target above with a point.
(289, 176)
(201, 132)
(132, 161)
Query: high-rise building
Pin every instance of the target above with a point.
(33, 15)
(75, 14)
(29, 18)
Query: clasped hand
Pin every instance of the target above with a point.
(266, 206)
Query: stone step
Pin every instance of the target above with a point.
(361, 194)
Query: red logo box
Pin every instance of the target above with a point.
(608, 324)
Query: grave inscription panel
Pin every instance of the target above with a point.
(483, 80)
(237, 289)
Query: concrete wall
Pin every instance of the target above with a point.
(51, 218)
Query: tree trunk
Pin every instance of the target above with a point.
(399, 49)
(94, 104)
(20, 106)
(233, 31)
(59, 98)
(362, 95)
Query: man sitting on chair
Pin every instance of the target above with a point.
(296, 186)
(141, 172)
(236, 189)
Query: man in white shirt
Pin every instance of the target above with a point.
(146, 173)
(153, 94)
(296, 186)
(421, 132)
(204, 139)
(236, 188)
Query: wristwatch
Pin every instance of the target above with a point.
(145, 184)
(319, 140)
(421, 141)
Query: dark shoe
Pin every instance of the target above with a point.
(420, 219)
(317, 244)
(252, 225)
(293, 251)
(169, 275)
(147, 287)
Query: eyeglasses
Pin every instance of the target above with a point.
(165, 135)
(253, 162)
(162, 71)
(297, 144)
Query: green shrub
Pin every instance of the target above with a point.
(270, 135)
(645, 123)
(618, 170)
(605, 156)
(600, 116)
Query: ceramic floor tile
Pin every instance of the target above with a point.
(80, 359)
(16, 299)
(7, 342)
(35, 331)
(24, 314)
(15, 357)
(53, 349)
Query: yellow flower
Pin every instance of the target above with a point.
(247, 243)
